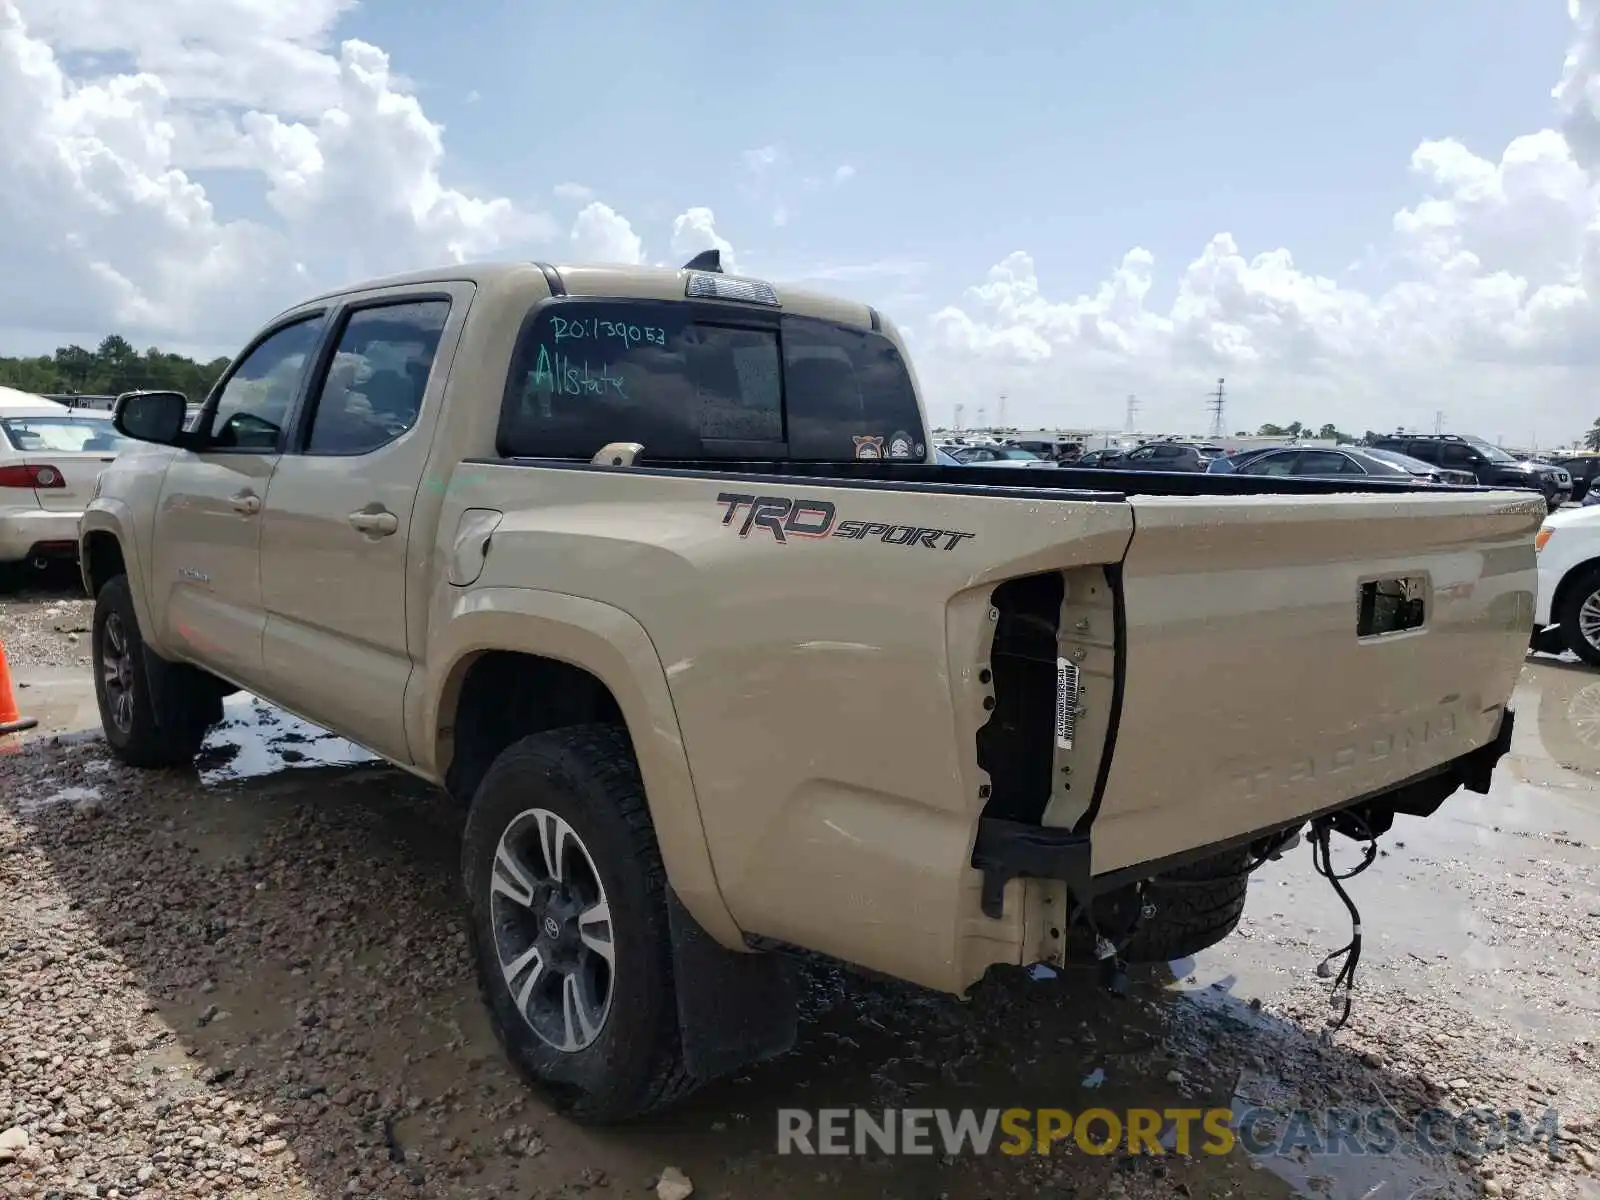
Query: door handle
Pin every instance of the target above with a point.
(379, 524)
(246, 502)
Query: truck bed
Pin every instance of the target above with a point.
(871, 661)
(1060, 483)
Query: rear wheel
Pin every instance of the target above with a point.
(154, 713)
(1579, 617)
(568, 922)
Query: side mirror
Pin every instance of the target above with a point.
(152, 416)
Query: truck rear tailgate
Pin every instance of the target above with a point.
(1252, 692)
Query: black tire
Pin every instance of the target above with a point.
(162, 720)
(586, 776)
(1196, 907)
(1574, 596)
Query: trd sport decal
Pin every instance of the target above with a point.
(784, 517)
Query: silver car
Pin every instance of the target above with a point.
(50, 457)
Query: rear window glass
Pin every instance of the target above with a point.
(588, 373)
(63, 435)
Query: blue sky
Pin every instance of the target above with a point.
(1023, 148)
(1074, 131)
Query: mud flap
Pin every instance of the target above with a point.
(165, 681)
(734, 1009)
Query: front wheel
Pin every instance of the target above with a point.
(568, 921)
(155, 714)
(1579, 617)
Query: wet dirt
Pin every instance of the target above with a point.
(282, 928)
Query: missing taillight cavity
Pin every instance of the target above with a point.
(31, 477)
(1017, 745)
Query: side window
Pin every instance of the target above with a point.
(255, 401)
(1271, 464)
(1456, 455)
(1428, 452)
(1325, 462)
(373, 390)
(849, 394)
(1141, 456)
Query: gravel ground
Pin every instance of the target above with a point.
(45, 622)
(214, 985)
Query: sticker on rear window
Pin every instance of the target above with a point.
(1066, 702)
(868, 447)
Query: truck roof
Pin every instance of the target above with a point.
(614, 280)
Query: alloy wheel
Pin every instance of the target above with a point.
(552, 930)
(116, 672)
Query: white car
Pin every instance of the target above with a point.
(1567, 613)
(50, 457)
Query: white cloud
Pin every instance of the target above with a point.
(696, 230)
(1482, 298)
(601, 234)
(1484, 302)
(109, 227)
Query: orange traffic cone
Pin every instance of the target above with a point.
(11, 721)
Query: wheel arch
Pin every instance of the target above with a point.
(596, 662)
(1569, 580)
(106, 549)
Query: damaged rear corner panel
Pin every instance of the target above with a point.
(1052, 680)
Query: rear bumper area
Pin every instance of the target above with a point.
(1006, 850)
(27, 533)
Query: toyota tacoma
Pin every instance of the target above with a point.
(658, 575)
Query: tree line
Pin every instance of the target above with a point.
(1299, 429)
(114, 366)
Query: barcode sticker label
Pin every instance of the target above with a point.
(1066, 702)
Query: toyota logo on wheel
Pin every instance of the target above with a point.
(551, 929)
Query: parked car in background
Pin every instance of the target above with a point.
(1566, 612)
(50, 457)
(1583, 468)
(1153, 456)
(998, 456)
(1098, 458)
(1227, 464)
(1485, 462)
(1325, 462)
(1058, 451)
(1420, 469)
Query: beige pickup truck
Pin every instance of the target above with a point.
(657, 574)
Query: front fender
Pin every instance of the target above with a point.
(614, 648)
(112, 516)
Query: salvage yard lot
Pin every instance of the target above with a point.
(251, 980)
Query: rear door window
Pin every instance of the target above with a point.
(1326, 462)
(1427, 452)
(689, 382)
(1281, 462)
